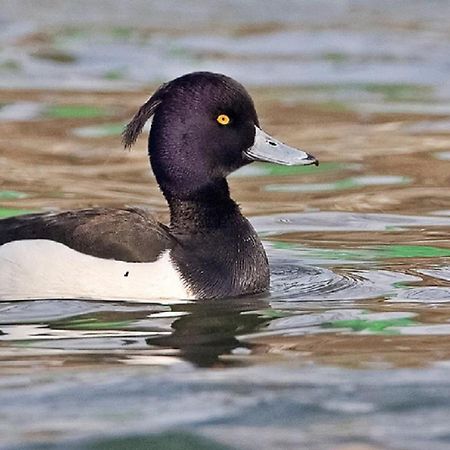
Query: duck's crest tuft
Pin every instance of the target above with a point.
(135, 126)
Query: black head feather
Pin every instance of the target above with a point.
(188, 148)
(145, 112)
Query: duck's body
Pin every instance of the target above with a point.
(126, 254)
(94, 253)
(209, 250)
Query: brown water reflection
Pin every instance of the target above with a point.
(47, 160)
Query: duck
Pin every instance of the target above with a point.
(204, 126)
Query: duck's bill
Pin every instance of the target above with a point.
(268, 149)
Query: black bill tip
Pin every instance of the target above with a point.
(312, 160)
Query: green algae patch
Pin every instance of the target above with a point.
(115, 74)
(413, 251)
(92, 323)
(267, 170)
(384, 326)
(274, 170)
(75, 112)
(399, 92)
(339, 185)
(12, 195)
(123, 32)
(100, 131)
(365, 254)
(11, 212)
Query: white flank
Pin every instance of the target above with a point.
(44, 269)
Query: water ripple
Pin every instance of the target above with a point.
(292, 283)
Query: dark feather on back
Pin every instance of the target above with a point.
(130, 235)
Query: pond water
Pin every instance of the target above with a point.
(351, 347)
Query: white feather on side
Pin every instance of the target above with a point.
(45, 269)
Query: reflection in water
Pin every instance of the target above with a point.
(209, 331)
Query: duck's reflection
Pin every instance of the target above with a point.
(209, 330)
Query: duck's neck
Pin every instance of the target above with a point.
(211, 208)
(220, 254)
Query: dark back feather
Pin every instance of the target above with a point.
(130, 235)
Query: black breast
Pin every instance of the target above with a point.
(224, 262)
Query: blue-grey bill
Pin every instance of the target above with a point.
(268, 149)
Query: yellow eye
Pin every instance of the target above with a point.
(223, 119)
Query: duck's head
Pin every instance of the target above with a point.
(204, 127)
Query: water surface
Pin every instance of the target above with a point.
(350, 349)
